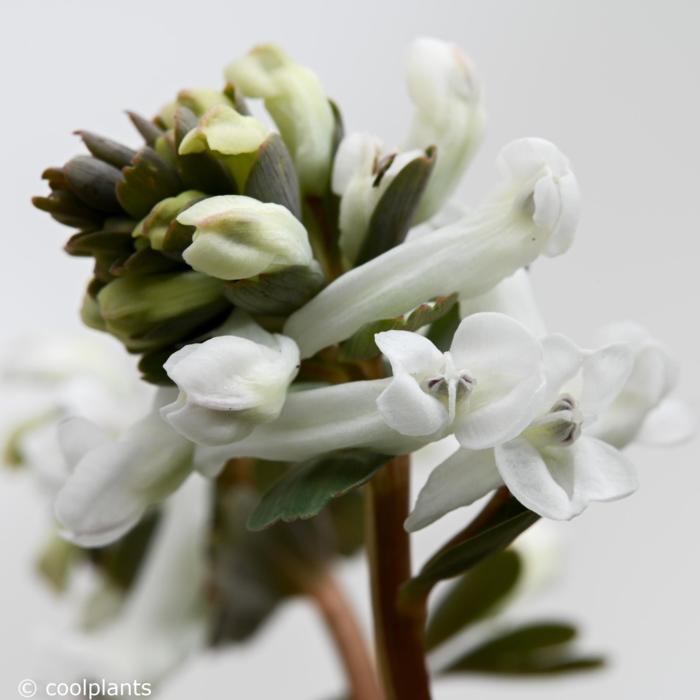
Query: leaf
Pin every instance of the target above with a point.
(277, 293)
(361, 345)
(394, 212)
(273, 177)
(307, 488)
(149, 131)
(474, 596)
(536, 648)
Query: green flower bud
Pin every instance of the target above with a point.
(238, 237)
(295, 99)
(146, 312)
(233, 137)
(155, 226)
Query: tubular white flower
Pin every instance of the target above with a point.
(555, 467)
(643, 411)
(162, 621)
(316, 421)
(295, 99)
(449, 114)
(113, 482)
(486, 387)
(238, 237)
(360, 178)
(537, 208)
(229, 385)
(74, 375)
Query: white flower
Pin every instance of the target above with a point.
(112, 483)
(238, 237)
(486, 388)
(57, 376)
(362, 172)
(555, 467)
(316, 421)
(536, 209)
(230, 384)
(162, 620)
(643, 411)
(295, 99)
(449, 114)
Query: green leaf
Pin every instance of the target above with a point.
(276, 293)
(308, 487)
(361, 345)
(394, 212)
(273, 177)
(149, 131)
(533, 649)
(509, 521)
(474, 596)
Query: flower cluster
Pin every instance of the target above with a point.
(300, 291)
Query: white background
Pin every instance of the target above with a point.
(614, 84)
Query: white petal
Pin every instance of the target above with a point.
(495, 342)
(77, 436)
(408, 409)
(526, 474)
(605, 372)
(205, 426)
(600, 472)
(562, 236)
(562, 361)
(356, 153)
(524, 158)
(113, 484)
(670, 423)
(501, 418)
(409, 352)
(460, 480)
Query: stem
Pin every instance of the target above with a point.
(349, 641)
(398, 634)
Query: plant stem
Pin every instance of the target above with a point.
(398, 634)
(348, 637)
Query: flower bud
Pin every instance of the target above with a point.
(296, 101)
(448, 114)
(155, 226)
(238, 237)
(151, 311)
(230, 384)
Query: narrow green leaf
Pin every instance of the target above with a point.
(474, 596)
(276, 293)
(533, 649)
(394, 212)
(149, 131)
(361, 345)
(273, 177)
(308, 487)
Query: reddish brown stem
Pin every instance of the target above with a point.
(349, 640)
(398, 634)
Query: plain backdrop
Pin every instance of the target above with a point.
(614, 84)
